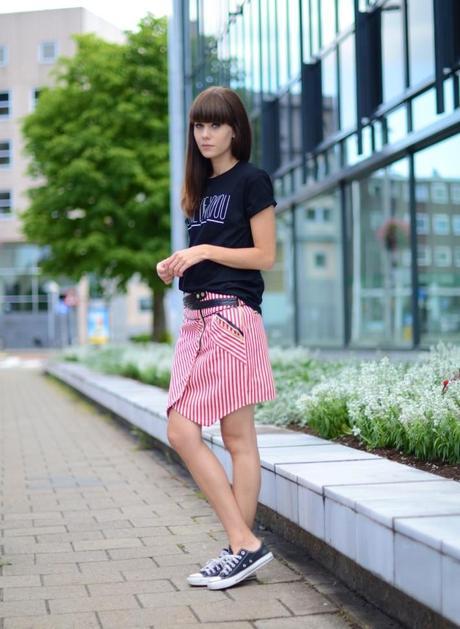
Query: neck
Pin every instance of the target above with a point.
(222, 164)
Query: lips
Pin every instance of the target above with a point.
(207, 146)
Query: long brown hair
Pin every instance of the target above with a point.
(221, 105)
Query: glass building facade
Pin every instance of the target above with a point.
(355, 110)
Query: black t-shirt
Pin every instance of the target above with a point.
(229, 201)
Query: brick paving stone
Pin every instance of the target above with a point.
(39, 593)
(57, 621)
(19, 581)
(20, 546)
(321, 621)
(97, 526)
(22, 608)
(133, 587)
(42, 568)
(174, 573)
(142, 532)
(92, 603)
(101, 534)
(66, 557)
(177, 560)
(192, 596)
(105, 544)
(81, 579)
(194, 529)
(230, 610)
(34, 530)
(155, 548)
(166, 617)
(72, 537)
(214, 625)
(109, 567)
(298, 598)
(19, 560)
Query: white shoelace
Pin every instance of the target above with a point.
(229, 562)
(214, 563)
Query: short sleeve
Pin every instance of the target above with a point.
(259, 193)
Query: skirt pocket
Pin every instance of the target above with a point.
(228, 336)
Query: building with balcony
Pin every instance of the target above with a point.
(33, 311)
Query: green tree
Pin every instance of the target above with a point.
(98, 143)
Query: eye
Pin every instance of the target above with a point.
(197, 125)
(216, 125)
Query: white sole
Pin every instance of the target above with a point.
(203, 582)
(221, 584)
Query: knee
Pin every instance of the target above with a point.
(239, 446)
(183, 435)
(176, 437)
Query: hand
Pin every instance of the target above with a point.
(164, 273)
(181, 260)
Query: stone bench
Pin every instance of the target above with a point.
(398, 523)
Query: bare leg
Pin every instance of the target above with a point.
(239, 436)
(185, 437)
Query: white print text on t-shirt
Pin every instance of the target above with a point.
(212, 209)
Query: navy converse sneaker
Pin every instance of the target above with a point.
(238, 567)
(210, 570)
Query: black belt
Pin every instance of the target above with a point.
(195, 301)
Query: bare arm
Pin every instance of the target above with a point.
(261, 256)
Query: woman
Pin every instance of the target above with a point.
(221, 367)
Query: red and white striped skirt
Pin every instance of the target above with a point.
(220, 362)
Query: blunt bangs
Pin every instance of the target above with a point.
(211, 106)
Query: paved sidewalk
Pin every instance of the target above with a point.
(95, 532)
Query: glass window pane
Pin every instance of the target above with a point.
(247, 56)
(4, 104)
(380, 292)
(347, 83)
(327, 21)
(306, 25)
(329, 86)
(283, 58)
(5, 203)
(20, 256)
(213, 17)
(424, 108)
(319, 267)
(5, 153)
(256, 48)
(272, 46)
(266, 65)
(278, 305)
(397, 124)
(294, 40)
(438, 241)
(421, 40)
(314, 27)
(296, 120)
(350, 147)
(346, 13)
(285, 136)
(392, 50)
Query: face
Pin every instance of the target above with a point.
(213, 139)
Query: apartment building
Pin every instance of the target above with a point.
(33, 310)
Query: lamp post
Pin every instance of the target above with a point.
(52, 289)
